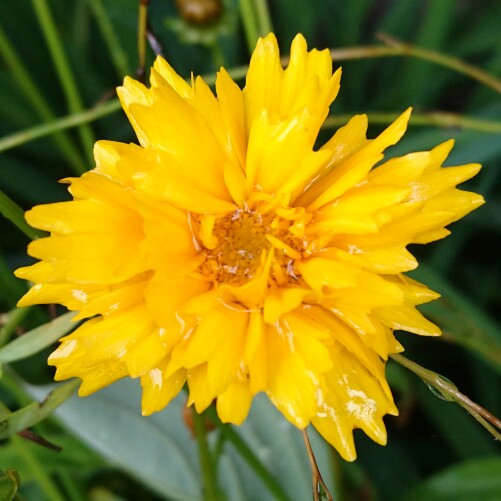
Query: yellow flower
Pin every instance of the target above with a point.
(226, 252)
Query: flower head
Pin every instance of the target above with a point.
(226, 252)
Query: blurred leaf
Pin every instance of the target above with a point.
(478, 480)
(162, 453)
(434, 29)
(73, 457)
(462, 434)
(37, 339)
(279, 445)
(35, 412)
(158, 450)
(460, 320)
(9, 483)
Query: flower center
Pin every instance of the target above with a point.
(242, 241)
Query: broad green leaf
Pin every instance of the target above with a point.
(160, 451)
(37, 339)
(478, 480)
(9, 483)
(35, 412)
(280, 447)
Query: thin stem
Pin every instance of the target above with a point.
(36, 99)
(250, 23)
(63, 70)
(450, 392)
(142, 28)
(428, 119)
(155, 44)
(206, 460)
(318, 484)
(118, 55)
(14, 213)
(239, 72)
(263, 17)
(26, 135)
(38, 471)
(253, 461)
(450, 62)
(400, 49)
(217, 55)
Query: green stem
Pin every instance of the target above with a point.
(397, 49)
(217, 55)
(141, 34)
(117, 53)
(447, 61)
(14, 213)
(263, 17)
(448, 391)
(253, 461)
(206, 460)
(239, 72)
(26, 135)
(250, 23)
(37, 469)
(63, 70)
(36, 99)
(428, 119)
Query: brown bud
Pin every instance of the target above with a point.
(188, 421)
(200, 12)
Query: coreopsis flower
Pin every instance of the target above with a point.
(227, 252)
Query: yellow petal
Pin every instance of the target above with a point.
(407, 318)
(264, 79)
(200, 189)
(164, 73)
(351, 398)
(146, 354)
(354, 168)
(232, 110)
(133, 92)
(291, 386)
(233, 405)
(159, 390)
(200, 393)
(282, 300)
(321, 273)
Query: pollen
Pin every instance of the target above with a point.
(244, 239)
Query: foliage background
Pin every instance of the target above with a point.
(435, 451)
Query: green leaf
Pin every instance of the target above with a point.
(158, 450)
(10, 210)
(460, 320)
(9, 483)
(74, 456)
(478, 480)
(37, 339)
(35, 412)
(162, 453)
